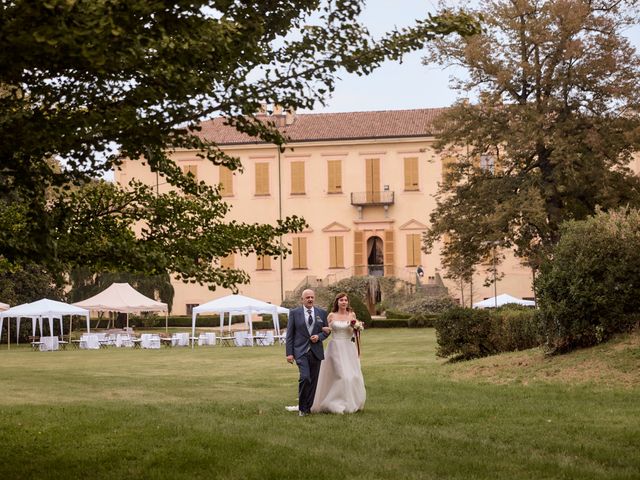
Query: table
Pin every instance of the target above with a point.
(76, 343)
(167, 342)
(227, 341)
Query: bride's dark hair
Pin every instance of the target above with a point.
(334, 308)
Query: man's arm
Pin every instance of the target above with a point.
(323, 335)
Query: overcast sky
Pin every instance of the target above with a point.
(400, 86)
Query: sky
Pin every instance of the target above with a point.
(393, 86)
(400, 86)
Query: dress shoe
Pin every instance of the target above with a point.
(302, 414)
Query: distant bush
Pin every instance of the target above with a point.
(422, 320)
(360, 309)
(590, 289)
(396, 314)
(465, 333)
(428, 305)
(388, 323)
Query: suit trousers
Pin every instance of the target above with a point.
(309, 367)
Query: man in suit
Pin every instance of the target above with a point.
(304, 345)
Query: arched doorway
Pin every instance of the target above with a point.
(375, 256)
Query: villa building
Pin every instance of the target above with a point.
(364, 182)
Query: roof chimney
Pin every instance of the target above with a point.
(290, 116)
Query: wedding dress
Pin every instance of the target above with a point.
(340, 384)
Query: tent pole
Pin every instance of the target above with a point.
(127, 321)
(166, 322)
(8, 333)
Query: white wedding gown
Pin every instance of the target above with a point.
(340, 383)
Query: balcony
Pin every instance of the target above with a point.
(366, 199)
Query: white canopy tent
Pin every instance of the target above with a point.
(238, 305)
(38, 310)
(503, 299)
(3, 307)
(122, 297)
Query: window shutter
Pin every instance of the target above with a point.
(411, 173)
(389, 249)
(373, 179)
(262, 178)
(299, 253)
(334, 168)
(228, 261)
(336, 252)
(359, 266)
(263, 263)
(191, 169)
(297, 178)
(413, 250)
(226, 181)
(340, 252)
(303, 253)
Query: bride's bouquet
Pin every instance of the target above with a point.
(357, 326)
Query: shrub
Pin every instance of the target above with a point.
(397, 314)
(422, 320)
(590, 289)
(428, 305)
(465, 333)
(388, 323)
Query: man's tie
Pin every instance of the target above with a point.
(310, 318)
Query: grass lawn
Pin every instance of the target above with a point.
(219, 413)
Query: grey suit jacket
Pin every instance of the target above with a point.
(298, 336)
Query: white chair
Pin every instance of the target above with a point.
(282, 338)
(123, 340)
(242, 339)
(208, 338)
(150, 340)
(89, 342)
(180, 340)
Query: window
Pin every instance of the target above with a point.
(299, 247)
(262, 178)
(190, 169)
(228, 261)
(488, 163)
(336, 252)
(263, 263)
(297, 178)
(226, 181)
(335, 176)
(411, 173)
(413, 249)
(190, 307)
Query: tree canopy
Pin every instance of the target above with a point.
(87, 83)
(552, 131)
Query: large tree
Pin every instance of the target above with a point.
(552, 131)
(90, 82)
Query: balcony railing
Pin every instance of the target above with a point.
(360, 199)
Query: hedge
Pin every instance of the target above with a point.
(464, 333)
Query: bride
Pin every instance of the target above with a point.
(340, 384)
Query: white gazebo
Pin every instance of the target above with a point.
(503, 299)
(238, 305)
(122, 297)
(44, 308)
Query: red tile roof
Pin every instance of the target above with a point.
(335, 126)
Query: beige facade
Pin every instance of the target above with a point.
(367, 201)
